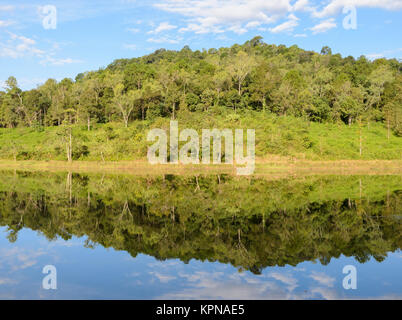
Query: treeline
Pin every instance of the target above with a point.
(321, 87)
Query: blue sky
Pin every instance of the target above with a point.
(91, 34)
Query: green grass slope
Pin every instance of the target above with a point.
(282, 136)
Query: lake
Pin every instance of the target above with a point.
(116, 236)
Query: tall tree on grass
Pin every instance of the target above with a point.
(287, 96)
(33, 107)
(48, 92)
(264, 79)
(221, 82)
(392, 109)
(14, 109)
(168, 76)
(87, 95)
(150, 96)
(240, 68)
(61, 100)
(125, 102)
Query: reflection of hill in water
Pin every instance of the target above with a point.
(250, 223)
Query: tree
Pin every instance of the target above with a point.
(284, 80)
(326, 51)
(125, 102)
(48, 93)
(33, 107)
(221, 81)
(61, 100)
(168, 76)
(288, 95)
(15, 110)
(151, 96)
(263, 82)
(135, 74)
(240, 68)
(392, 109)
(87, 95)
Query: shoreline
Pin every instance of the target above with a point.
(264, 167)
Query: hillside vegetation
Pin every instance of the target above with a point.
(283, 136)
(302, 104)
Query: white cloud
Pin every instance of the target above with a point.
(130, 46)
(239, 16)
(163, 26)
(48, 60)
(162, 277)
(287, 26)
(6, 281)
(202, 28)
(164, 40)
(18, 46)
(302, 5)
(385, 54)
(300, 35)
(323, 26)
(323, 279)
(335, 6)
(6, 7)
(19, 259)
(133, 30)
(211, 16)
(286, 279)
(253, 24)
(238, 29)
(217, 285)
(373, 56)
(5, 23)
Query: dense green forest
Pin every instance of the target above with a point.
(321, 87)
(302, 104)
(250, 223)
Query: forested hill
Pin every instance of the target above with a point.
(320, 87)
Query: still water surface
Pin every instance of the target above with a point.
(203, 237)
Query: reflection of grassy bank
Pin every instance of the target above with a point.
(274, 167)
(216, 194)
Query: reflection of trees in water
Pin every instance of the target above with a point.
(250, 223)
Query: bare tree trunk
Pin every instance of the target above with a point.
(360, 137)
(69, 185)
(67, 152)
(89, 123)
(69, 147)
(264, 104)
(388, 129)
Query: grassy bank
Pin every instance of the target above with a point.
(274, 168)
(285, 137)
